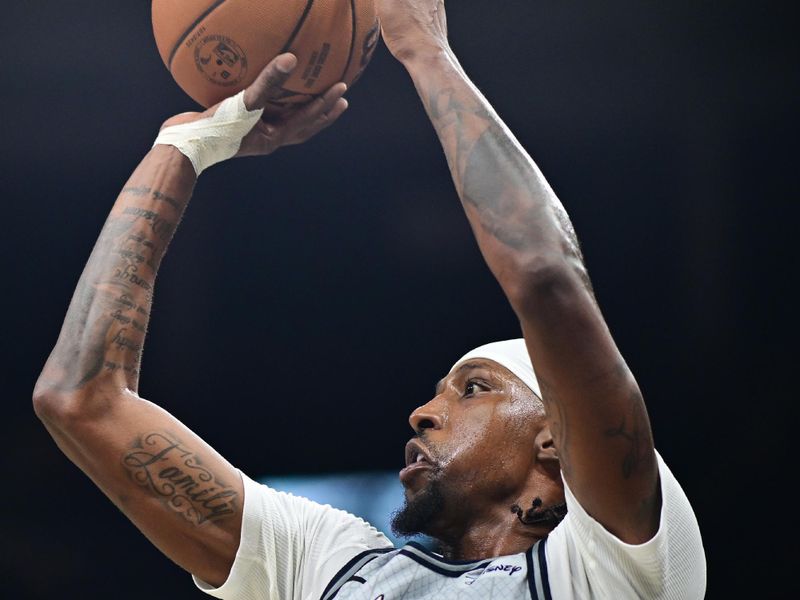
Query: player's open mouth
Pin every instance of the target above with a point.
(417, 458)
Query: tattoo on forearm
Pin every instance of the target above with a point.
(495, 176)
(496, 181)
(107, 320)
(122, 341)
(160, 226)
(112, 366)
(449, 116)
(176, 476)
(142, 191)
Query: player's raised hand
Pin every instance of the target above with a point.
(233, 127)
(294, 126)
(411, 27)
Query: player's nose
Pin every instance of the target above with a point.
(427, 416)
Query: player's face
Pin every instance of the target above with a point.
(475, 441)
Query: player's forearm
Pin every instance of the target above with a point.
(103, 333)
(518, 221)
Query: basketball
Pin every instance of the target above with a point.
(216, 48)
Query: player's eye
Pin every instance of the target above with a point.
(473, 387)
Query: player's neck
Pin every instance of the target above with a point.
(501, 534)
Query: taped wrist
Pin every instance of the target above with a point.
(212, 139)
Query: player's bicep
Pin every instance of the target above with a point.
(595, 410)
(176, 489)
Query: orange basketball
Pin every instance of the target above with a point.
(215, 48)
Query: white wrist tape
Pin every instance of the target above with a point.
(213, 139)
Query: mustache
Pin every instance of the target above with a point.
(429, 446)
(435, 453)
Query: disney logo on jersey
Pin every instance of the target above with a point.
(510, 569)
(472, 576)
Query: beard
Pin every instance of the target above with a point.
(418, 514)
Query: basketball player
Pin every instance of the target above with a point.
(538, 485)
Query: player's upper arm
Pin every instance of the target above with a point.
(176, 489)
(595, 409)
(670, 566)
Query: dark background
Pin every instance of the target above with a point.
(311, 299)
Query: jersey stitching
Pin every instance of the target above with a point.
(419, 548)
(531, 572)
(543, 569)
(353, 566)
(443, 568)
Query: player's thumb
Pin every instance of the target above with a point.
(270, 81)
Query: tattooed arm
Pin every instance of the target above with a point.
(596, 412)
(177, 490)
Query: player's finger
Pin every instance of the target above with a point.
(323, 121)
(329, 118)
(322, 105)
(269, 82)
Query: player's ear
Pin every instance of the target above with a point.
(545, 449)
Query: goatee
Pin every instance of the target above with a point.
(417, 515)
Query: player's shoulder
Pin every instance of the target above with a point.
(583, 554)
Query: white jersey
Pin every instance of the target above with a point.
(414, 572)
(295, 549)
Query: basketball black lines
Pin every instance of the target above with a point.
(190, 29)
(352, 38)
(298, 27)
(215, 48)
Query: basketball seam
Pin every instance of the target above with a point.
(297, 27)
(186, 33)
(352, 39)
(292, 37)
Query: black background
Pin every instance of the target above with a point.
(311, 299)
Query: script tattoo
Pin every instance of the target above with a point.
(178, 478)
(160, 226)
(142, 191)
(107, 321)
(635, 431)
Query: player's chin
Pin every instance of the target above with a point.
(422, 510)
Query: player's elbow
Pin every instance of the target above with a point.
(50, 404)
(54, 406)
(44, 400)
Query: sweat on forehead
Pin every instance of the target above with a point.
(512, 354)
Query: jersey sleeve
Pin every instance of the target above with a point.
(669, 566)
(291, 547)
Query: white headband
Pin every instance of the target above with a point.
(513, 355)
